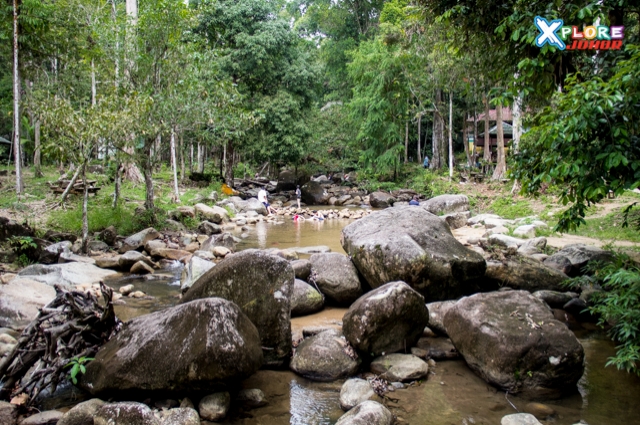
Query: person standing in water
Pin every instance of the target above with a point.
(263, 197)
(298, 195)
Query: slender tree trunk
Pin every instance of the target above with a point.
(37, 148)
(181, 153)
(85, 218)
(228, 174)
(406, 142)
(419, 136)
(131, 171)
(475, 135)
(191, 157)
(148, 178)
(114, 16)
(517, 123)
(465, 140)
(70, 185)
(16, 103)
(116, 192)
(501, 166)
(200, 159)
(487, 137)
(174, 166)
(94, 90)
(439, 151)
(450, 136)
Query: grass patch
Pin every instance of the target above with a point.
(610, 227)
(510, 208)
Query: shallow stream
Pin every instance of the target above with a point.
(451, 395)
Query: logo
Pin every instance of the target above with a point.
(592, 37)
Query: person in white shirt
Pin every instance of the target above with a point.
(263, 197)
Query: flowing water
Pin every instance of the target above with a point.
(452, 394)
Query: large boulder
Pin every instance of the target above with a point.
(20, 300)
(286, 181)
(446, 204)
(456, 220)
(51, 254)
(213, 214)
(261, 284)
(82, 414)
(414, 246)
(367, 413)
(244, 206)
(437, 310)
(194, 346)
(511, 340)
(325, 357)
(138, 240)
(208, 228)
(223, 239)
(354, 391)
(385, 320)
(336, 277)
(70, 274)
(305, 299)
(524, 273)
(572, 258)
(314, 194)
(381, 200)
(302, 269)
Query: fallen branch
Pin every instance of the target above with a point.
(71, 327)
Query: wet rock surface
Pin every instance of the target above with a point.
(325, 357)
(388, 319)
(336, 276)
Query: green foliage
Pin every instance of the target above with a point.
(610, 227)
(587, 142)
(509, 208)
(26, 247)
(77, 365)
(100, 215)
(618, 306)
(431, 183)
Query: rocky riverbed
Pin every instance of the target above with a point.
(405, 270)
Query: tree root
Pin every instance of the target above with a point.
(72, 326)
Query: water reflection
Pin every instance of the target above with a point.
(311, 404)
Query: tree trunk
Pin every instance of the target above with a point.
(191, 157)
(200, 159)
(517, 123)
(37, 148)
(439, 151)
(475, 136)
(181, 152)
(419, 136)
(85, 218)
(157, 158)
(16, 103)
(93, 84)
(174, 167)
(465, 141)
(487, 137)
(116, 192)
(131, 171)
(450, 136)
(70, 185)
(501, 166)
(117, 61)
(406, 142)
(148, 178)
(228, 172)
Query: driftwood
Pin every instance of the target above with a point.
(71, 327)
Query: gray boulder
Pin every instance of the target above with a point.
(367, 413)
(138, 240)
(555, 299)
(400, 367)
(214, 407)
(50, 254)
(223, 239)
(20, 300)
(353, 392)
(305, 299)
(251, 398)
(314, 194)
(286, 181)
(381, 200)
(572, 259)
(109, 235)
(213, 214)
(520, 419)
(194, 269)
(302, 269)
(325, 357)
(261, 284)
(8, 413)
(480, 218)
(97, 246)
(336, 277)
(511, 340)
(456, 220)
(437, 310)
(446, 204)
(129, 258)
(388, 319)
(194, 346)
(48, 417)
(239, 205)
(533, 246)
(414, 246)
(125, 413)
(208, 228)
(524, 273)
(83, 413)
(70, 274)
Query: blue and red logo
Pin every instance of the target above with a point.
(592, 37)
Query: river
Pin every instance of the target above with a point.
(452, 394)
